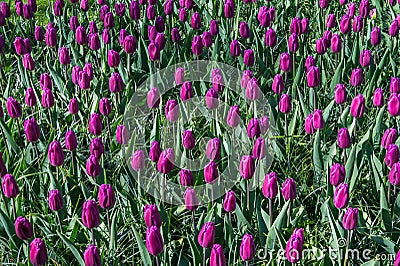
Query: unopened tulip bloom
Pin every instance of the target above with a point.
(151, 216)
(138, 161)
(234, 48)
(294, 249)
(217, 256)
(309, 124)
(295, 25)
(218, 83)
(9, 186)
(179, 76)
(229, 9)
(31, 129)
(188, 139)
(81, 36)
(376, 36)
(39, 35)
(394, 174)
(343, 138)
(244, 30)
(212, 99)
(313, 77)
(394, 104)
(70, 141)
(23, 228)
(357, 106)
(340, 94)
(253, 89)
(214, 28)
(93, 167)
(247, 167)
(196, 21)
(28, 62)
(206, 235)
(345, 24)
(45, 81)
(233, 117)
(96, 148)
(172, 110)
(337, 174)
(253, 128)
(264, 124)
(186, 178)
(113, 58)
(3, 168)
(389, 137)
(394, 28)
(336, 43)
(229, 203)
(186, 91)
(153, 98)
(210, 172)
(130, 44)
(289, 189)
(247, 248)
(55, 198)
(14, 109)
(310, 61)
(331, 21)
(213, 150)
(38, 252)
(321, 46)
(47, 98)
(182, 14)
(121, 134)
(350, 219)
(270, 186)
(63, 56)
(357, 24)
(154, 241)
(55, 154)
(92, 256)
(278, 84)
(365, 58)
(191, 200)
(105, 106)
(378, 99)
(248, 57)
(270, 38)
(392, 155)
(90, 214)
(206, 39)
(293, 43)
(259, 149)
(285, 105)
(95, 126)
(155, 151)
(341, 196)
(364, 8)
(165, 163)
(285, 62)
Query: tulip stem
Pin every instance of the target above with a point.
(388, 194)
(108, 220)
(59, 221)
(271, 220)
(93, 240)
(248, 195)
(204, 256)
(347, 246)
(14, 208)
(289, 211)
(3, 199)
(193, 223)
(157, 262)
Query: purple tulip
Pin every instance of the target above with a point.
(172, 110)
(340, 94)
(389, 137)
(350, 219)
(70, 141)
(154, 241)
(138, 161)
(289, 189)
(247, 248)
(23, 228)
(55, 198)
(31, 129)
(337, 174)
(38, 252)
(151, 216)
(392, 155)
(394, 104)
(378, 98)
(285, 105)
(253, 128)
(166, 161)
(376, 36)
(93, 167)
(92, 256)
(95, 125)
(55, 154)
(191, 200)
(96, 148)
(270, 186)
(122, 135)
(90, 214)
(213, 151)
(211, 172)
(270, 38)
(357, 106)
(155, 151)
(234, 48)
(206, 235)
(343, 138)
(341, 196)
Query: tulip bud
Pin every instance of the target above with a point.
(389, 137)
(285, 104)
(350, 219)
(253, 128)
(113, 58)
(212, 99)
(5, 9)
(392, 155)
(39, 35)
(121, 135)
(206, 235)
(186, 91)
(210, 172)
(92, 256)
(138, 161)
(172, 110)
(313, 77)
(247, 167)
(116, 84)
(357, 24)
(55, 200)
(168, 7)
(213, 151)
(263, 17)
(378, 98)
(154, 51)
(270, 186)
(233, 117)
(90, 214)
(321, 46)
(186, 178)
(119, 9)
(394, 28)
(159, 24)
(134, 10)
(341, 196)
(81, 36)
(337, 174)
(395, 85)
(31, 129)
(295, 25)
(108, 20)
(166, 161)
(95, 125)
(229, 9)
(9, 186)
(191, 200)
(106, 36)
(217, 256)
(364, 8)
(23, 228)
(179, 76)
(318, 119)
(70, 140)
(244, 30)
(294, 249)
(155, 151)
(188, 139)
(394, 104)
(38, 252)
(336, 43)
(394, 174)
(93, 168)
(154, 241)
(105, 106)
(130, 44)
(253, 90)
(357, 106)
(289, 189)
(285, 62)
(182, 14)
(196, 21)
(96, 148)
(55, 154)
(345, 23)
(293, 43)
(151, 216)
(309, 124)
(106, 197)
(234, 48)
(14, 109)
(340, 94)
(259, 149)
(247, 248)
(376, 36)
(175, 35)
(331, 21)
(343, 138)
(270, 38)
(365, 58)
(214, 28)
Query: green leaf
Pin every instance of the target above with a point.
(73, 249)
